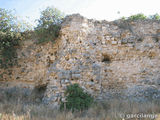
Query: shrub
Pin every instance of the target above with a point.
(123, 18)
(155, 16)
(49, 25)
(76, 98)
(8, 44)
(139, 16)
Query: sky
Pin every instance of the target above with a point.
(94, 9)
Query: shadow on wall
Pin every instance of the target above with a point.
(106, 58)
(15, 94)
(22, 95)
(38, 93)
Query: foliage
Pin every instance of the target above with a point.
(139, 16)
(10, 36)
(6, 20)
(49, 24)
(76, 98)
(8, 43)
(10, 22)
(47, 34)
(155, 16)
(123, 18)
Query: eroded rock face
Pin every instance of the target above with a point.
(108, 59)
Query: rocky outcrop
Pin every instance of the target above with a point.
(108, 59)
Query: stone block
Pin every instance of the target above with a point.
(76, 76)
(124, 41)
(114, 42)
(64, 75)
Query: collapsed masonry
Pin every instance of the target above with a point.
(119, 59)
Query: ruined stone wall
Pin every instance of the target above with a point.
(108, 59)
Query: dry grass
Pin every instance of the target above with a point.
(110, 110)
(15, 105)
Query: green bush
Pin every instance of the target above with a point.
(139, 16)
(123, 18)
(76, 99)
(49, 25)
(9, 41)
(47, 34)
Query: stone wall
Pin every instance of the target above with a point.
(108, 59)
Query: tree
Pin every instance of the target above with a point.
(10, 22)
(49, 24)
(10, 35)
(6, 20)
(50, 16)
